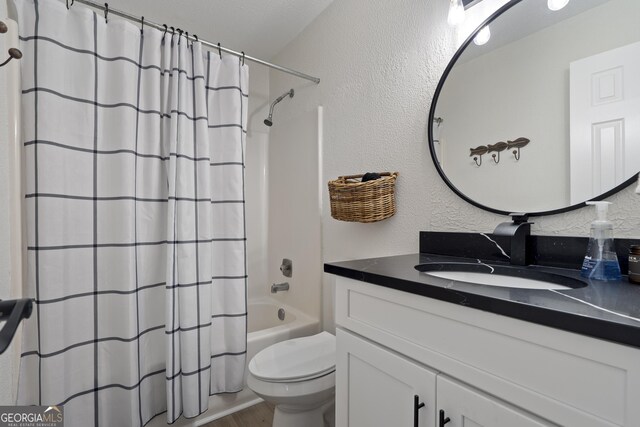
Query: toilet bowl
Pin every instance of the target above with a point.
(298, 376)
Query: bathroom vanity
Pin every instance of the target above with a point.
(479, 355)
(444, 350)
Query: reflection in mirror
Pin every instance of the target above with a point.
(568, 82)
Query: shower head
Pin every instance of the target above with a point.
(268, 121)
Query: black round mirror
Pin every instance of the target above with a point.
(545, 115)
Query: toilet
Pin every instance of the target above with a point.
(298, 376)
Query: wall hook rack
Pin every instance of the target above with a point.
(14, 53)
(497, 148)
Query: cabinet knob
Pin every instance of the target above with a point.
(417, 405)
(443, 420)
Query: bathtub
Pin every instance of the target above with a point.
(264, 328)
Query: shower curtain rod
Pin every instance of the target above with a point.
(204, 42)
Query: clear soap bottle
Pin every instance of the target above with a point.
(601, 261)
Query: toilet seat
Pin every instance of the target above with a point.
(295, 360)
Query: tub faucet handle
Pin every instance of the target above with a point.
(286, 267)
(278, 287)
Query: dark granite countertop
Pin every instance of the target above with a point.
(605, 310)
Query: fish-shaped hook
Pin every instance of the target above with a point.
(518, 142)
(498, 146)
(478, 151)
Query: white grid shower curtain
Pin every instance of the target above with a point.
(134, 150)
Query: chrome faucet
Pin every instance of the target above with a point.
(518, 230)
(277, 287)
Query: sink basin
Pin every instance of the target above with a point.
(501, 276)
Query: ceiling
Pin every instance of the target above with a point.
(260, 28)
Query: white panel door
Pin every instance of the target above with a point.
(605, 121)
(465, 407)
(377, 388)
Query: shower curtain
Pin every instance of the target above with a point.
(134, 151)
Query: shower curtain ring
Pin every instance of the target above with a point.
(142, 25)
(71, 3)
(242, 58)
(219, 51)
(13, 54)
(165, 30)
(106, 13)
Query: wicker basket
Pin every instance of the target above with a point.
(356, 201)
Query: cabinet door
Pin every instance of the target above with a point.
(376, 387)
(466, 407)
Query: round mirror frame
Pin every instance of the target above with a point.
(432, 149)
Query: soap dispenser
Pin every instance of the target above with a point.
(601, 262)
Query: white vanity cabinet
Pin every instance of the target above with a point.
(467, 407)
(377, 387)
(481, 369)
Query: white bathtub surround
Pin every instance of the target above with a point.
(257, 183)
(135, 218)
(294, 206)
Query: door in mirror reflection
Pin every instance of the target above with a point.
(605, 130)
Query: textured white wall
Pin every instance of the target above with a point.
(379, 62)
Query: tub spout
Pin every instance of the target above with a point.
(277, 287)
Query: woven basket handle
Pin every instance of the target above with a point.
(361, 175)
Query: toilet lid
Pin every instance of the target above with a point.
(297, 359)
